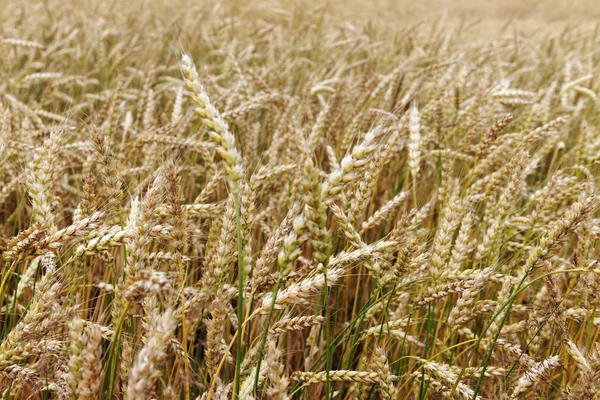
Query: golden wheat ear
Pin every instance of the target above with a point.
(299, 201)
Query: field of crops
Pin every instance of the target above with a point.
(299, 200)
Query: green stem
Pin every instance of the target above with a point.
(488, 355)
(326, 332)
(261, 350)
(240, 306)
(114, 352)
(430, 316)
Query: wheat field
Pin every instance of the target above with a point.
(299, 200)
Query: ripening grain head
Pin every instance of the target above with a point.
(295, 201)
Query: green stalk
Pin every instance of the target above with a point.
(184, 339)
(328, 361)
(414, 190)
(430, 316)
(488, 355)
(240, 306)
(113, 362)
(261, 350)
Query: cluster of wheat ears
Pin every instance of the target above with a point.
(277, 205)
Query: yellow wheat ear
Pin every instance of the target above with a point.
(277, 200)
